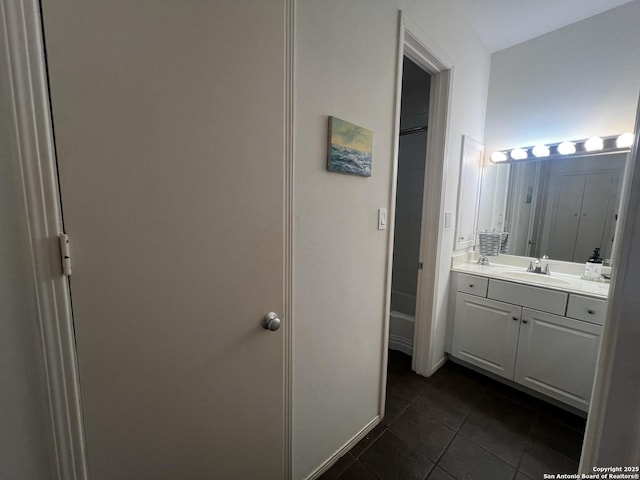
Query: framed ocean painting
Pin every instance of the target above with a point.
(350, 148)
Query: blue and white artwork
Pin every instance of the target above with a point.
(350, 148)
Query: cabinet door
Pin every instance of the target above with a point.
(485, 333)
(557, 356)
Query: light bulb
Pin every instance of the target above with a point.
(541, 151)
(518, 154)
(567, 148)
(625, 140)
(594, 144)
(497, 157)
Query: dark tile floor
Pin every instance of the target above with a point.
(460, 425)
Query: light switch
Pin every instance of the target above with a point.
(447, 219)
(382, 219)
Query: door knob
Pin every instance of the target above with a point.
(271, 321)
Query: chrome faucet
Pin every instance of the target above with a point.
(536, 266)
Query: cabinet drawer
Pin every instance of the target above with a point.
(587, 309)
(472, 284)
(539, 298)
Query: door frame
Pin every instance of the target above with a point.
(440, 67)
(21, 27)
(425, 53)
(614, 399)
(289, 240)
(22, 30)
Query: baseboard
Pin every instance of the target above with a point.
(438, 365)
(344, 449)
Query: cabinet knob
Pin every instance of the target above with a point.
(591, 311)
(515, 319)
(525, 321)
(471, 285)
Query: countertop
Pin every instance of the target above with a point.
(501, 271)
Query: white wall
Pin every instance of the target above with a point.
(345, 66)
(24, 422)
(573, 83)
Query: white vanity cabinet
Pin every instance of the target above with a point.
(557, 356)
(486, 333)
(525, 334)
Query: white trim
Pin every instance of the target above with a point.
(612, 429)
(440, 363)
(411, 43)
(289, 100)
(421, 49)
(440, 67)
(327, 464)
(431, 238)
(21, 24)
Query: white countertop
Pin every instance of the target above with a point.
(501, 271)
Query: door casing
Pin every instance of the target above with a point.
(440, 67)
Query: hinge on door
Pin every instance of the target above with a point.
(420, 265)
(65, 254)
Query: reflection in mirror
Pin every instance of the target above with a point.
(563, 208)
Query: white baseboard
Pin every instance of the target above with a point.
(439, 364)
(328, 463)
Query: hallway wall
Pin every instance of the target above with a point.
(346, 55)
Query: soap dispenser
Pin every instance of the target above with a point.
(593, 267)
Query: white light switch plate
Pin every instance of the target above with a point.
(382, 219)
(447, 219)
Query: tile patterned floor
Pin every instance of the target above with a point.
(460, 425)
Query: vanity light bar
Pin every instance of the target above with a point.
(591, 146)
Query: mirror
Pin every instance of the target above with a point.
(561, 207)
(468, 192)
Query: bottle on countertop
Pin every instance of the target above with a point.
(593, 267)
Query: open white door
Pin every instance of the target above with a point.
(169, 123)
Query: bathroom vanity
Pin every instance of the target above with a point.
(540, 331)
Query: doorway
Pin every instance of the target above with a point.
(412, 141)
(173, 294)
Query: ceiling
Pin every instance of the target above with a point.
(503, 23)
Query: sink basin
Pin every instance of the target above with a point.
(535, 278)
